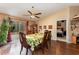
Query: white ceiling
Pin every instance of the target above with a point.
(19, 9)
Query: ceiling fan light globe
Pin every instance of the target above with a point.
(32, 16)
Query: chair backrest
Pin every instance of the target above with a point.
(49, 35)
(45, 36)
(23, 39)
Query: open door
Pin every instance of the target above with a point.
(61, 30)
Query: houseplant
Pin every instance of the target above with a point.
(4, 31)
(11, 28)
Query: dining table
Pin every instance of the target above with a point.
(34, 39)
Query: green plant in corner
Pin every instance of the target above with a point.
(4, 31)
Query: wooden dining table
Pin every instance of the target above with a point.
(34, 39)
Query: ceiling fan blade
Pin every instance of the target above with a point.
(30, 12)
(38, 14)
(37, 17)
(26, 15)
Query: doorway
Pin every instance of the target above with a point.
(61, 30)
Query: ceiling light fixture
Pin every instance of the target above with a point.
(32, 16)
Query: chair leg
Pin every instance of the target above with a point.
(50, 43)
(31, 51)
(26, 51)
(47, 45)
(21, 49)
(43, 50)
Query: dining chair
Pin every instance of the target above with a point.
(24, 42)
(45, 39)
(49, 37)
(43, 44)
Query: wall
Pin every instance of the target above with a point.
(65, 14)
(13, 18)
(51, 20)
(1, 18)
(73, 11)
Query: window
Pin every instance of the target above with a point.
(18, 26)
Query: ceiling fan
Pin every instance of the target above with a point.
(33, 15)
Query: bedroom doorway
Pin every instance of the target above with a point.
(61, 30)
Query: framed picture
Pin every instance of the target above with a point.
(40, 27)
(44, 27)
(49, 26)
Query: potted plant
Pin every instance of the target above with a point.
(11, 28)
(4, 32)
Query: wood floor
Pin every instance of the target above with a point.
(56, 48)
(60, 48)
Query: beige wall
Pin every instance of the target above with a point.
(65, 14)
(51, 20)
(74, 10)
